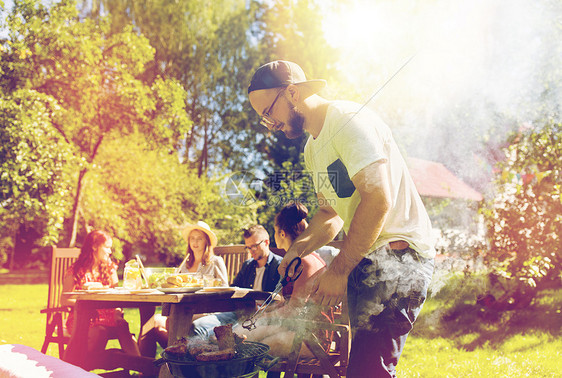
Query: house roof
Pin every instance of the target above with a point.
(433, 179)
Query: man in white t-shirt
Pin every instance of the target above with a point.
(363, 186)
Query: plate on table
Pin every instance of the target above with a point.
(180, 290)
(219, 288)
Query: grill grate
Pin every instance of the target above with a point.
(245, 364)
(245, 350)
(248, 349)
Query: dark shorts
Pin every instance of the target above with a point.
(385, 294)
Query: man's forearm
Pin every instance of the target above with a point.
(364, 230)
(368, 220)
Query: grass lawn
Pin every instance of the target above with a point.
(452, 338)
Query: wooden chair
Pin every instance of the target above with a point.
(61, 259)
(234, 256)
(332, 362)
(110, 359)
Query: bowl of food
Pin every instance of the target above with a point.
(157, 276)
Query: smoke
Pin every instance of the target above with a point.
(393, 277)
(278, 329)
(481, 69)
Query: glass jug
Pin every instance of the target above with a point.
(132, 276)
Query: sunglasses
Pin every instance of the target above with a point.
(266, 120)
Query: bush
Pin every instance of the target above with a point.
(524, 218)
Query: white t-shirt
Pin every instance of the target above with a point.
(259, 278)
(350, 141)
(328, 253)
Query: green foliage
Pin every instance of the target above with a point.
(524, 218)
(146, 196)
(213, 53)
(34, 164)
(291, 183)
(150, 86)
(93, 92)
(210, 51)
(92, 77)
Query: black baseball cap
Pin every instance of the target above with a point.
(281, 73)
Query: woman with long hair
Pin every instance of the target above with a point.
(200, 256)
(94, 264)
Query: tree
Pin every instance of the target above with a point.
(210, 51)
(145, 196)
(35, 180)
(124, 127)
(95, 76)
(213, 52)
(523, 218)
(290, 30)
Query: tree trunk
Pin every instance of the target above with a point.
(203, 159)
(75, 208)
(13, 252)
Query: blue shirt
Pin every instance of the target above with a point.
(247, 274)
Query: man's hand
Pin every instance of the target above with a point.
(289, 256)
(329, 288)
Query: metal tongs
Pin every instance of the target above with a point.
(250, 323)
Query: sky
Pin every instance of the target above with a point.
(477, 72)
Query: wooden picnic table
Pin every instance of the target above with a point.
(182, 308)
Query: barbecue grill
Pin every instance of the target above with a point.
(249, 357)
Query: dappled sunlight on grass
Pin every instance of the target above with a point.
(523, 343)
(455, 337)
(468, 338)
(442, 357)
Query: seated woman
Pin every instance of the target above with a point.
(94, 264)
(200, 258)
(289, 224)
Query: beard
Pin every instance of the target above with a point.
(295, 125)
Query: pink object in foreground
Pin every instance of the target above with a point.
(18, 360)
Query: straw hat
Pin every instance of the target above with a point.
(201, 226)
